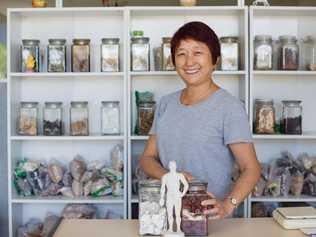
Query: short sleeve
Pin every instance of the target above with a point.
(236, 125)
(159, 110)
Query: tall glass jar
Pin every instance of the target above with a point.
(110, 117)
(80, 55)
(56, 58)
(140, 51)
(28, 119)
(167, 64)
(194, 221)
(110, 55)
(310, 53)
(289, 53)
(52, 116)
(79, 118)
(30, 55)
(146, 112)
(264, 116)
(229, 53)
(152, 217)
(292, 116)
(263, 52)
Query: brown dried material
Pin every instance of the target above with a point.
(146, 118)
(311, 66)
(56, 172)
(77, 188)
(265, 120)
(27, 126)
(297, 185)
(77, 168)
(80, 128)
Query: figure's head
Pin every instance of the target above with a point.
(172, 165)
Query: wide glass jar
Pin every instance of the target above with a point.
(310, 53)
(27, 124)
(79, 118)
(110, 55)
(56, 58)
(30, 55)
(152, 217)
(52, 116)
(292, 116)
(229, 53)
(263, 52)
(194, 221)
(146, 113)
(110, 117)
(80, 55)
(167, 64)
(140, 51)
(289, 53)
(264, 116)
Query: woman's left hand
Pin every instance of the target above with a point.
(220, 209)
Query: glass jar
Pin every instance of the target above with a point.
(167, 64)
(263, 52)
(110, 55)
(289, 53)
(79, 118)
(229, 53)
(52, 116)
(56, 58)
(146, 113)
(80, 55)
(28, 119)
(292, 116)
(310, 53)
(152, 217)
(30, 55)
(264, 116)
(110, 117)
(140, 51)
(194, 221)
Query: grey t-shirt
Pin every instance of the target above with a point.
(196, 136)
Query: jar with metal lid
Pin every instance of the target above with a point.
(289, 53)
(229, 53)
(264, 116)
(152, 217)
(30, 55)
(80, 55)
(292, 117)
(110, 117)
(79, 118)
(263, 52)
(140, 51)
(52, 116)
(110, 55)
(28, 119)
(56, 58)
(146, 113)
(309, 53)
(167, 64)
(194, 221)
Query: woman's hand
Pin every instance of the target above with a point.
(187, 175)
(220, 209)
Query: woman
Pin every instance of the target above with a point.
(202, 127)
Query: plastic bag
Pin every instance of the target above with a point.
(67, 192)
(35, 182)
(77, 167)
(101, 187)
(77, 188)
(95, 165)
(67, 179)
(56, 172)
(79, 211)
(259, 188)
(112, 175)
(117, 189)
(50, 225)
(89, 175)
(306, 161)
(117, 162)
(23, 187)
(297, 184)
(33, 228)
(87, 188)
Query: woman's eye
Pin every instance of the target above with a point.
(180, 54)
(198, 52)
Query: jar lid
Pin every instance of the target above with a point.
(229, 39)
(144, 103)
(263, 38)
(110, 40)
(79, 104)
(150, 183)
(140, 40)
(166, 39)
(264, 101)
(286, 38)
(309, 39)
(197, 185)
(291, 102)
(29, 104)
(53, 104)
(81, 41)
(30, 42)
(114, 102)
(57, 41)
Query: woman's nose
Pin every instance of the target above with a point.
(189, 60)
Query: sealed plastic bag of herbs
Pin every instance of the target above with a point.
(3, 61)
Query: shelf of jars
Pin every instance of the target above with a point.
(53, 75)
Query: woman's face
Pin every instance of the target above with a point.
(193, 61)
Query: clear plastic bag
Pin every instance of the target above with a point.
(77, 167)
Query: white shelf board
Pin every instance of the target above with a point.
(135, 137)
(283, 11)
(174, 73)
(284, 73)
(65, 138)
(59, 199)
(302, 198)
(66, 74)
(304, 136)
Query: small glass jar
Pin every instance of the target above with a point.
(194, 221)
(152, 217)
(28, 119)
(263, 52)
(30, 55)
(110, 55)
(264, 116)
(79, 118)
(167, 64)
(310, 53)
(292, 116)
(140, 51)
(110, 117)
(80, 55)
(52, 116)
(56, 58)
(289, 53)
(229, 53)
(146, 113)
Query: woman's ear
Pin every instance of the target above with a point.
(217, 64)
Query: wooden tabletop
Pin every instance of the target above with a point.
(255, 227)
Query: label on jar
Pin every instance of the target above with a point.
(167, 61)
(29, 59)
(140, 57)
(110, 58)
(81, 58)
(263, 57)
(229, 56)
(56, 59)
(110, 121)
